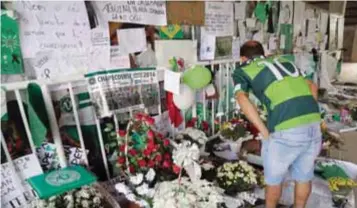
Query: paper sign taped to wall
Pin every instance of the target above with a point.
(219, 18)
(139, 12)
(131, 40)
(186, 12)
(208, 46)
(46, 25)
(13, 196)
(167, 49)
(100, 50)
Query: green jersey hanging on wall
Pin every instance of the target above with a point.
(11, 59)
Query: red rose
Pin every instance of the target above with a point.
(166, 164)
(158, 158)
(139, 116)
(121, 160)
(151, 146)
(122, 133)
(166, 142)
(142, 163)
(151, 163)
(160, 136)
(132, 152)
(176, 169)
(150, 134)
(205, 125)
(147, 152)
(150, 121)
(122, 148)
(167, 156)
(131, 169)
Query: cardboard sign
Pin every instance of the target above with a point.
(13, 196)
(186, 12)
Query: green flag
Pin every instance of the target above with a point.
(11, 58)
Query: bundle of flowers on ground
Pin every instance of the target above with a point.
(200, 124)
(183, 193)
(236, 177)
(234, 129)
(141, 148)
(193, 135)
(84, 197)
(331, 140)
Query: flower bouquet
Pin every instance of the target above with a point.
(198, 123)
(330, 139)
(84, 197)
(236, 177)
(234, 129)
(141, 148)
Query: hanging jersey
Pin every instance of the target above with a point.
(281, 88)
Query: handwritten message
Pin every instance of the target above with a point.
(100, 50)
(219, 18)
(48, 25)
(13, 196)
(140, 12)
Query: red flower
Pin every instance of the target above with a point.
(166, 142)
(142, 163)
(176, 169)
(122, 148)
(151, 146)
(139, 116)
(131, 169)
(158, 158)
(205, 125)
(147, 152)
(166, 164)
(132, 152)
(122, 133)
(151, 163)
(167, 156)
(150, 134)
(150, 121)
(121, 160)
(160, 136)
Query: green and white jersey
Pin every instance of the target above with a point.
(281, 88)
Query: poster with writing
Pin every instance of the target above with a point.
(47, 25)
(13, 196)
(100, 50)
(117, 59)
(117, 90)
(139, 12)
(219, 18)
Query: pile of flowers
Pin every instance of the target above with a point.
(234, 129)
(330, 139)
(84, 197)
(141, 148)
(198, 123)
(183, 193)
(236, 177)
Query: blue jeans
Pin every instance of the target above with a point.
(293, 150)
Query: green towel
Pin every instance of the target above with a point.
(60, 181)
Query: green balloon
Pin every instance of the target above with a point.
(197, 77)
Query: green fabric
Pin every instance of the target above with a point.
(287, 31)
(11, 58)
(288, 101)
(37, 115)
(59, 181)
(260, 12)
(329, 171)
(286, 89)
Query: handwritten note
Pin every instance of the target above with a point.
(118, 60)
(219, 18)
(47, 25)
(172, 81)
(208, 46)
(46, 65)
(131, 40)
(236, 48)
(100, 50)
(240, 10)
(140, 12)
(13, 196)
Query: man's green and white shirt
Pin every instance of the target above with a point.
(281, 88)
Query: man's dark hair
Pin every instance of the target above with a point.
(251, 49)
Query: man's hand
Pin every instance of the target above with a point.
(251, 113)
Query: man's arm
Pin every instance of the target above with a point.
(313, 88)
(251, 113)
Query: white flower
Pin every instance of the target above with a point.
(96, 200)
(207, 166)
(85, 203)
(122, 188)
(137, 179)
(150, 175)
(143, 189)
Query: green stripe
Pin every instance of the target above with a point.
(290, 87)
(84, 105)
(252, 69)
(118, 70)
(83, 96)
(263, 79)
(298, 121)
(290, 109)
